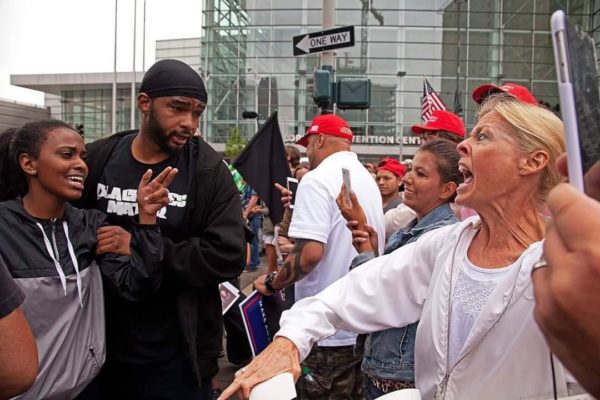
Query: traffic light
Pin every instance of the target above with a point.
(353, 93)
(323, 93)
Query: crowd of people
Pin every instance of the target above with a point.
(469, 273)
(453, 305)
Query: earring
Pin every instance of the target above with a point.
(32, 172)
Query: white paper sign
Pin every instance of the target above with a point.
(229, 294)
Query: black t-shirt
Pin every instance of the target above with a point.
(145, 331)
(116, 192)
(11, 296)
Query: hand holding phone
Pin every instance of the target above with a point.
(346, 180)
(292, 185)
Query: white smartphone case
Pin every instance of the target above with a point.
(567, 97)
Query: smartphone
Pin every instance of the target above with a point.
(577, 75)
(292, 184)
(346, 180)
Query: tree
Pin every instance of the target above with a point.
(234, 145)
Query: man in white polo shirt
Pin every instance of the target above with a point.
(323, 251)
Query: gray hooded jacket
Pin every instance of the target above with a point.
(54, 263)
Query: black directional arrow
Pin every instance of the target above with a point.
(330, 39)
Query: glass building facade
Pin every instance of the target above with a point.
(92, 108)
(85, 100)
(247, 60)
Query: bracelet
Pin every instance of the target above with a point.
(269, 282)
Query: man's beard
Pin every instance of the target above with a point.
(159, 136)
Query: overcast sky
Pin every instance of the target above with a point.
(62, 36)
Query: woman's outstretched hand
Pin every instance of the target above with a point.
(280, 356)
(153, 195)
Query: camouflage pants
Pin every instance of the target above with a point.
(334, 374)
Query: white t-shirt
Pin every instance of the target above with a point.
(317, 217)
(473, 287)
(398, 218)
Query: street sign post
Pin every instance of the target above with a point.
(317, 42)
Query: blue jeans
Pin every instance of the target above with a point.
(255, 245)
(390, 354)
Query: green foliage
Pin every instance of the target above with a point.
(234, 145)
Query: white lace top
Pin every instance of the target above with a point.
(473, 287)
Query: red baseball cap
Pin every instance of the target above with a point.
(441, 120)
(327, 124)
(392, 165)
(517, 91)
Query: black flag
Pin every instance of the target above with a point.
(263, 162)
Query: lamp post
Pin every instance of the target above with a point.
(257, 79)
(205, 75)
(252, 115)
(328, 57)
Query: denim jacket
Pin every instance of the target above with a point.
(390, 354)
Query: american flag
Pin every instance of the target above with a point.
(430, 101)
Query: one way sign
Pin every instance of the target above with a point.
(324, 40)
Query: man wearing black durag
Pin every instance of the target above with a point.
(166, 347)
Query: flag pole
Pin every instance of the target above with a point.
(133, 98)
(114, 83)
(424, 94)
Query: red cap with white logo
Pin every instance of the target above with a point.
(517, 91)
(442, 120)
(327, 124)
